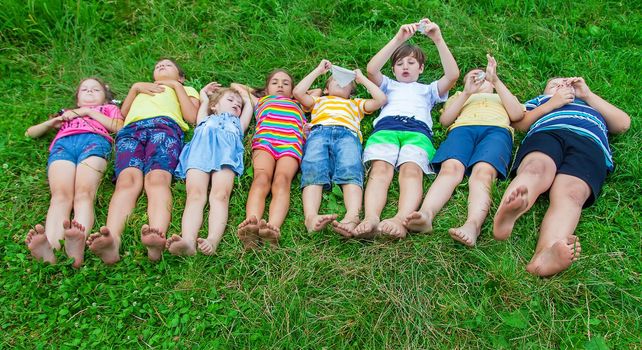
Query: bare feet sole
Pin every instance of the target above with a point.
(248, 233)
(178, 246)
(154, 240)
(466, 234)
(392, 228)
(206, 246)
(345, 228)
(105, 245)
(508, 213)
(319, 222)
(418, 221)
(75, 241)
(556, 258)
(39, 246)
(270, 233)
(367, 228)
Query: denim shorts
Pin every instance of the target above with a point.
(332, 154)
(149, 144)
(76, 148)
(473, 144)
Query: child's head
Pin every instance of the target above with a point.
(168, 69)
(279, 82)
(555, 84)
(408, 63)
(226, 100)
(486, 85)
(333, 88)
(92, 92)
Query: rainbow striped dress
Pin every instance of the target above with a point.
(279, 127)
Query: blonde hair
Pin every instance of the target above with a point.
(218, 94)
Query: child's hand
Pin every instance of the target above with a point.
(491, 69)
(306, 129)
(360, 78)
(472, 85)
(69, 114)
(324, 66)
(245, 95)
(55, 122)
(169, 83)
(581, 89)
(562, 97)
(211, 88)
(406, 31)
(148, 88)
(431, 30)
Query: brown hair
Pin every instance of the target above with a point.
(406, 50)
(181, 72)
(352, 83)
(260, 92)
(217, 95)
(109, 95)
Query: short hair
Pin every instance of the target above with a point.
(109, 95)
(406, 50)
(217, 95)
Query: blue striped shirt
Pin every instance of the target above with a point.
(577, 117)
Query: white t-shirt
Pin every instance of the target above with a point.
(410, 100)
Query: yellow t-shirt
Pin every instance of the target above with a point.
(333, 110)
(481, 109)
(163, 104)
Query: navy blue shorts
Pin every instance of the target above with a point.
(473, 144)
(573, 154)
(76, 148)
(331, 154)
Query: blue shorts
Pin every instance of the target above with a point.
(473, 144)
(76, 148)
(331, 154)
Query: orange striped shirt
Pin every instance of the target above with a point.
(333, 110)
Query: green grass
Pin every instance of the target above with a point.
(317, 291)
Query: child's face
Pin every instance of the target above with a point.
(90, 93)
(486, 87)
(167, 70)
(407, 69)
(229, 103)
(334, 89)
(554, 85)
(280, 84)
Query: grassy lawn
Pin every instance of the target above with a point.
(317, 290)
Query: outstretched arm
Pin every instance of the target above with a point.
(514, 109)
(377, 62)
(378, 97)
(617, 121)
(38, 130)
(451, 71)
(301, 89)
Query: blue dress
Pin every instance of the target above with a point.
(217, 143)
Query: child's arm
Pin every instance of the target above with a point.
(453, 108)
(237, 86)
(378, 97)
(514, 109)
(451, 71)
(561, 98)
(301, 89)
(248, 110)
(38, 130)
(189, 105)
(139, 88)
(617, 121)
(377, 62)
(111, 124)
(203, 110)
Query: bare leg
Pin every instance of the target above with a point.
(106, 242)
(410, 190)
(159, 208)
(558, 247)
(478, 204)
(222, 184)
(197, 183)
(352, 197)
(450, 175)
(534, 176)
(39, 246)
(376, 196)
(312, 195)
(286, 169)
(62, 176)
(264, 166)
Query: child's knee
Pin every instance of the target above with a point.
(281, 182)
(452, 168)
(82, 194)
(381, 169)
(262, 180)
(62, 197)
(577, 192)
(537, 167)
(220, 194)
(484, 172)
(410, 171)
(156, 179)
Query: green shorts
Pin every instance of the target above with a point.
(398, 147)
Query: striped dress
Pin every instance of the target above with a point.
(279, 127)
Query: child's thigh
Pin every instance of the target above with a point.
(348, 167)
(416, 148)
(163, 149)
(495, 148)
(459, 145)
(316, 165)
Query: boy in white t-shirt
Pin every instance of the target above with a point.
(402, 135)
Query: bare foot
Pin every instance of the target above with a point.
(39, 245)
(555, 258)
(269, 232)
(393, 228)
(75, 241)
(319, 222)
(466, 234)
(105, 245)
(206, 246)
(418, 221)
(178, 246)
(154, 240)
(248, 233)
(367, 228)
(345, 228)
(508, 213)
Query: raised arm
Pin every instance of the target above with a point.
(248, 110)
(237, 86)
(203, 110)
(561, 98)
(189, 105)
(378, 97)
(512, 105)
(453, 107)
(451, 71)
(377, 62)
(301, 89)
(617, 121)
(38, 130)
